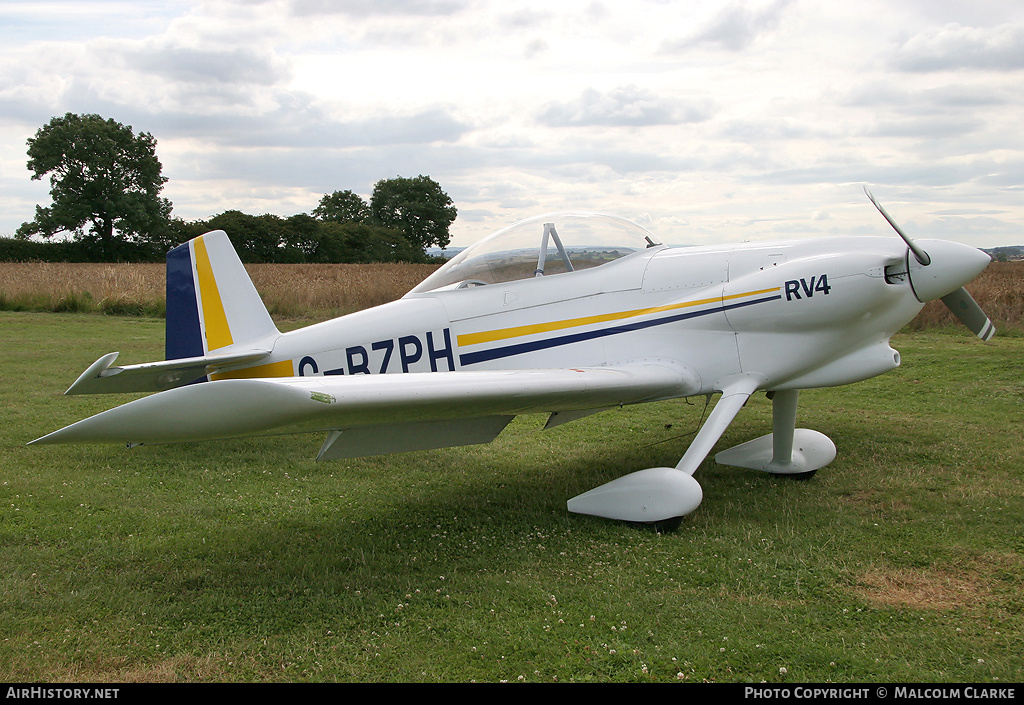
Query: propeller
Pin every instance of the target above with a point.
(920, 255)
(970, 314)
(961, 303)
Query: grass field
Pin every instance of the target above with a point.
(289, 290)
(248, 561)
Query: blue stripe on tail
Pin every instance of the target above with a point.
(183, 335)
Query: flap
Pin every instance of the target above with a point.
(404, 437)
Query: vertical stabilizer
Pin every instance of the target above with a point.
(212, 305)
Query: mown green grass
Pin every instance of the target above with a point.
(248, 561)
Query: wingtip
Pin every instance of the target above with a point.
(58, 436)
(92, 373)
(42, 440)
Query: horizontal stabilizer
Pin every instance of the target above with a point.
(102, 378)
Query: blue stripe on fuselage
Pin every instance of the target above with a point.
(520, 348)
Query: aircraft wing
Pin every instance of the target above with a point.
(101, 377)
(371, 414)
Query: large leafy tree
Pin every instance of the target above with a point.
(342, 207)
(102, 175)
(415, 206)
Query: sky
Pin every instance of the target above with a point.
(704, 121)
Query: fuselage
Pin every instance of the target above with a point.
(801, 313)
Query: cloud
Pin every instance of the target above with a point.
(955, 46)
(234, 65)
(524, 19)
(927, 127)
(761, 130)
(363, 9)
(736, 27)
(627, 106)
(528, 106)
(424, 127)
(904, 97)
(298, 122)
(147, 77)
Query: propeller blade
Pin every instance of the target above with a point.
(921, 256)
(969, 312)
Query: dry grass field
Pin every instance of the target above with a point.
(289, 290)
(326, 290)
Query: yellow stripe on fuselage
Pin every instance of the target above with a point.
(215, 321)
(284, 368)
(518, 331)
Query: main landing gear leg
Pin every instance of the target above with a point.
(660, 496)
(796, 452)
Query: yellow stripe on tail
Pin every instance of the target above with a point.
(218, 332)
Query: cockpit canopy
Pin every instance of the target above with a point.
(551, 244)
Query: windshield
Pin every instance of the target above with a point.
(547, 245)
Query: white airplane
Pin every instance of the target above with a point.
(568, 314)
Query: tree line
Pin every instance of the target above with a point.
(105, 190)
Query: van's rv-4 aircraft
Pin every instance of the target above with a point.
(568, 315)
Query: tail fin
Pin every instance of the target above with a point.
(212, 305)
(215, 320)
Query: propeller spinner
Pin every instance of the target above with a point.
(940, 272)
